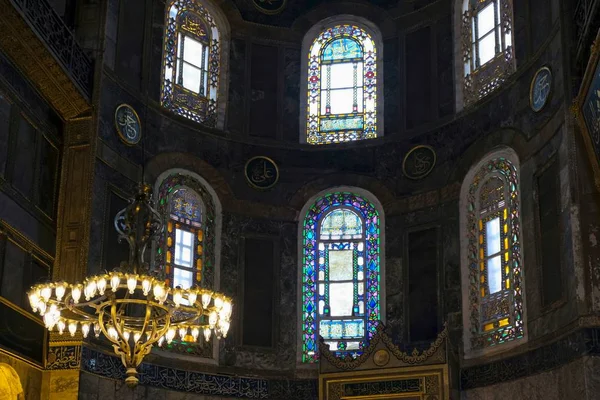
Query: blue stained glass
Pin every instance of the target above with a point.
(186, 205)
(341, 49)
(340, 124)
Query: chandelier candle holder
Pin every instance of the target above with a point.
(135, 309)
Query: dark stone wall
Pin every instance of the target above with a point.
(262, 119)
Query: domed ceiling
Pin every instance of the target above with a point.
(284, 12)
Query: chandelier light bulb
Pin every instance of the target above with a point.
(101, 285)
(90, 289)
(146, 286)
(131, 283)
(170, 335)
(192, 296)
(85, 329)
(177, 297)
(72, 328)
(49, 321)
(115, 281)
(182, 333)
(224, 327)
(42, 307)
(61, 326)
(76, 293)
(34, 299)
(136, 337)
(97, 330)
(212, 319)
(147, 336)
(112, 332)
(205, 299)
(46, 292)
(158, 291)
(60, 291)
(218, 303)
(160, 341)
(206, 334)
(127, 335)
(195, 333)
(164, 296)
(227, 308)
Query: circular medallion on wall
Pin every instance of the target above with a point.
(128, 124)
(269, 7)
(541, 86)
(419, 162)
(261, 172)
(381, 357)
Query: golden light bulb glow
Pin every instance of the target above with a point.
(115, 281)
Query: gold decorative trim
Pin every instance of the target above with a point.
(411, 151)
(38, 64)
(578, 104)
(270, 12)
(415, 357)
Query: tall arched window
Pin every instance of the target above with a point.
(493, 276)
(340, 274)
(342, 84)
(191, 61)
(187, 248)
(487, 46)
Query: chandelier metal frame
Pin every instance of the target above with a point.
(135, 309)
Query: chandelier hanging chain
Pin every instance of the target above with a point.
(133, 307)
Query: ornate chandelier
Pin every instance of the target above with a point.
(134, 308)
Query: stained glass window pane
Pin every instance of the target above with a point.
(182, 278)
(492, 236)
(340, 299)
(337, 250)
(191, 43)
(183, 248)
(337, 88)
(192, 51)
(487, 48)
(342, 48)
(341, 101)
(342, 75)
(494, 274)
(191, 77)
(340, 223)
(186, 206)
(485, 20)
(340, 265)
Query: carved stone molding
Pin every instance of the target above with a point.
(39, 64)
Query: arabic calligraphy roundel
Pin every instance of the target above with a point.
(269, 7)
(419, 162)
(541, 85)
(261, 172)
(128, 124)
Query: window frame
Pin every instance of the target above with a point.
(309, 38)
(477, 341)
(208, 109)
(476, 81)
(360, 195)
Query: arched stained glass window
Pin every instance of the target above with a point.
(494, 311)
(184, 239)
(341, 274)
(342, 77)
(487, 46)
(191, 62)
(187, 248)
